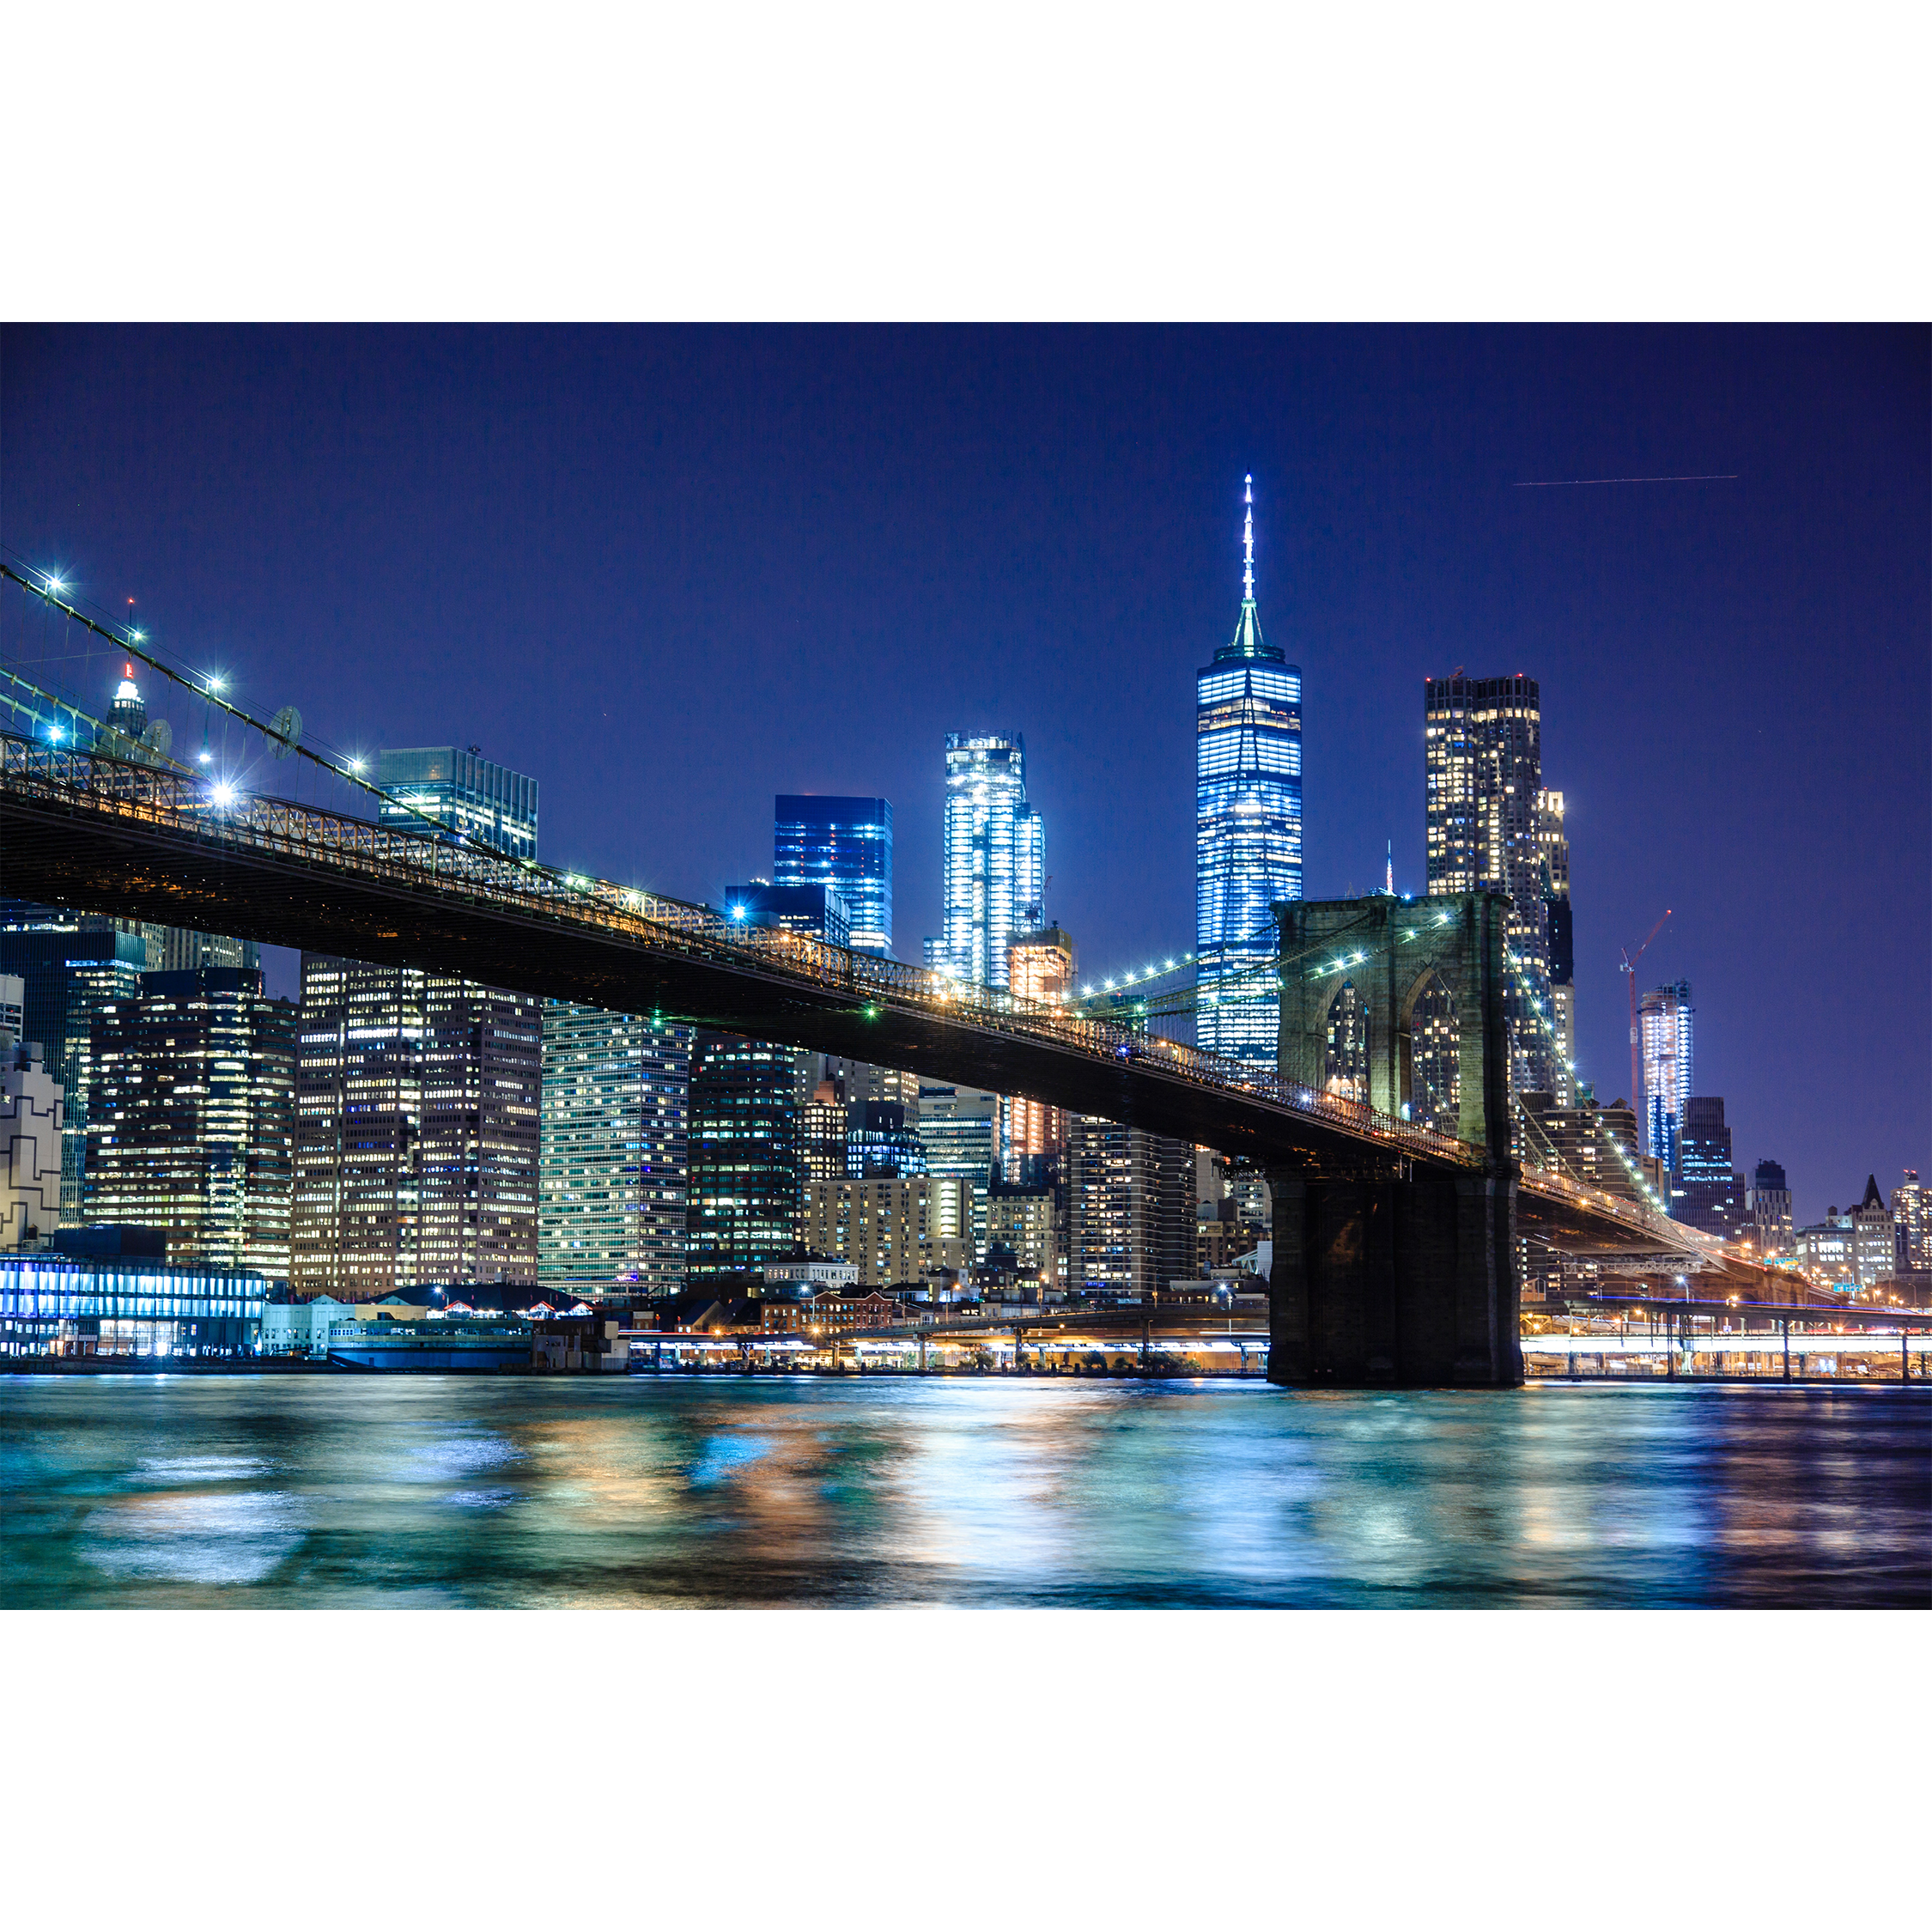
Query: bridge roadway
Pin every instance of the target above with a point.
(94, 832)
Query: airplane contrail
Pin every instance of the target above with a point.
(1578, 482)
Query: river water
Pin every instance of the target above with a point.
(311, 1490)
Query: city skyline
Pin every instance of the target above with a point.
(1643, 738)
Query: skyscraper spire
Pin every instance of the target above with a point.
(1247, 541)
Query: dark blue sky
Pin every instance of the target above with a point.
(671, 572)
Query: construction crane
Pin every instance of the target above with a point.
(1629, 966)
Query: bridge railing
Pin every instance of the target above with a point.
(188, 804)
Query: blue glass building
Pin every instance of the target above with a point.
(1247, 828)
(844, 843)
(487, 804)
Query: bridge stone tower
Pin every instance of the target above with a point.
(1398, 1270)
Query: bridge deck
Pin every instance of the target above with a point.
(80, 830)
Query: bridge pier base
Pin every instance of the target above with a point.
(1381, 1283)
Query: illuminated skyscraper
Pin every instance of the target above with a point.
(1912, 1211)
(1132, 1209)
(1492, 827)
(1555, 849)
(1248, 827)
(610, 1191)
(996, 855)
(1032, 1134)
(845, 844)
(1709, 1192)
(190, 1117)
(486, 803)
(745, 1153)
(417, 1132)
(1664, 1024)
(1772, 1223)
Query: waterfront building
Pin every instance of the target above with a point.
(1912, 1213)
(816, 910)
(1022, 1231)
(810, 1274)
(1248, 827)
(1131, 1208)
(1826, 1252)
(611, 1158)
(843, 844)
(891, 1230)
(1709, 1193)
(1493, 827)
(1771, 1225)
(110, 1291)
(30, 1119)
(1032, 1139)
(994, 858)
(191, 1117)
(1664, 1023)
(476, 800)
(418, 1131)
(69, 965)
(744, 1154)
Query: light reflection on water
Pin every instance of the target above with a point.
(451, 1490)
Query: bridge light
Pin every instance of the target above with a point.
(203, 757)
(214, 683)
(57, 584)
(139, 636)
(738, 912)
(222, 793)
(356, 764)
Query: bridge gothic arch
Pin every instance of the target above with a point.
(1444, 957)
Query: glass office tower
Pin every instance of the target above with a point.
(744, 1154)
(612, 1178)
(845, 844)
(1664, 1018)
(190, 1117)
(478, 801)
(996, 855)
(1247, 828)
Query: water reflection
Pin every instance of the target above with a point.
(182, 1490)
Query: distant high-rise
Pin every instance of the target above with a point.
(1663, 1018)
(1771, 1224)
(744, 1154)
(959, 1128)
(418, 1130)
(1912, 1210)
(69, 965)
(1248, 827)
(1709, 1192)
(31, 1105)
(1032, 1134)
(482, 803)
(816, 910)
(880, 1145)
(613, 1175)
(1555, 850)
(845, 844)
(190, 1117)
(1493, 828)
(996, 855)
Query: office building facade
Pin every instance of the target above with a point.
(845, 844)
(745, 1152)
(612, 1157)
(465, 794)
(191, 1117)
(418, 1130)
(70, 966)
(959, 1129)
(1131, 1209)
(1492, 827)
(1664, 1020)
(895, 1232)
(817, 910)
(1032, 1134)
(1772, 1226)
(1247, 828)
(1911, 1212)
(1554, 847)
(31, 1105)
(995, 856)
(1709, 1192)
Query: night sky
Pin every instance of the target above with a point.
(671, 572)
